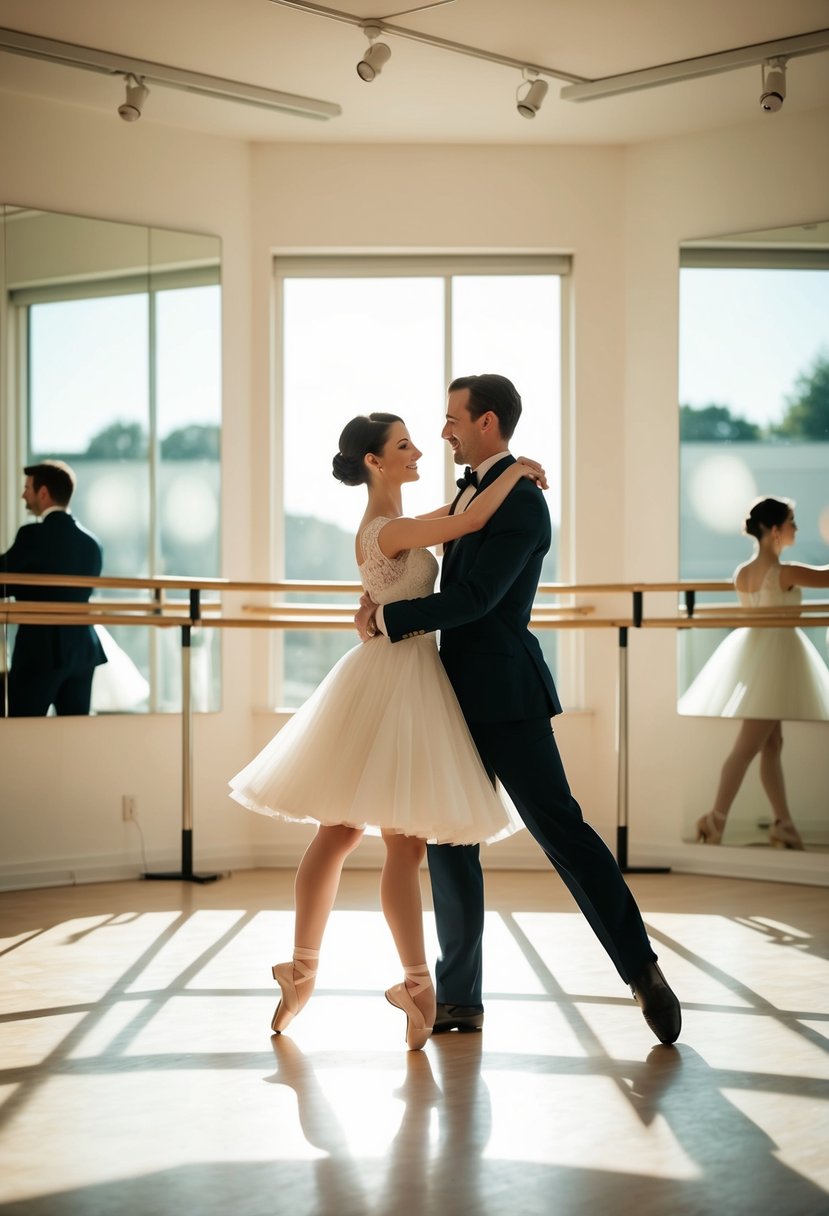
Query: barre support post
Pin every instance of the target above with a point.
(186, 873)
(623, 782)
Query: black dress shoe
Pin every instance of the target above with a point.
(464, 1018)
(660, 1008)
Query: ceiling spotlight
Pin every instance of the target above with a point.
(774, 85)
(534, 91)
(137, 94)
(378, 53)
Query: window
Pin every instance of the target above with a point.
(754, 411)
(377, 334)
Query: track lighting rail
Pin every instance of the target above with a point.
(701, 65)
(459, 48)
(582, 88)
(112, 63)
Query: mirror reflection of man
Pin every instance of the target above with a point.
(52, 664)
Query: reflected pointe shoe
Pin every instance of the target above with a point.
(710, 828)
(784, 835)
(292, 1001)
(418, 1027)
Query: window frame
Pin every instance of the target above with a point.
(19, 302)
(419, 265)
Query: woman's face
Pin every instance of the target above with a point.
(399, 457)
(787, 531)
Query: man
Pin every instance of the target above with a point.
(52, 664)
(507, 695)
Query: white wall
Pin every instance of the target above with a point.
(621, 213)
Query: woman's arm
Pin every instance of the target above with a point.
(439, 514)
(437, 529)
(795, 575)
(518, 538)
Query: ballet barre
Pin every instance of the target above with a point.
(192, 611)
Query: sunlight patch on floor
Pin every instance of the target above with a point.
(540, 1119)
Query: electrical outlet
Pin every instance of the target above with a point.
(129, 807)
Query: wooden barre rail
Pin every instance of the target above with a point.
(185, 583)
(161, 613)
(332, 621)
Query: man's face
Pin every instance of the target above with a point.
(32, 497)
(462, 432)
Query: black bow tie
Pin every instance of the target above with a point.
(469, 479)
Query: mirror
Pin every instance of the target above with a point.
(110, 354)
(754, 422)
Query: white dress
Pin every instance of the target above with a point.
(382, 742)
(772, 673)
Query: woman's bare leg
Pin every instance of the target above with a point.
(403, 909)
(318, 880)
(771, 774)
(751, 739)
(315, 889)
(782, 833)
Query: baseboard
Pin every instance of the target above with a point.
(80, 871)
(761, 864)
(520, 852)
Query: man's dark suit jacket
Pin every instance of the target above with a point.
(57, 545)
(488, 584)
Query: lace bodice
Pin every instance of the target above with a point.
(407, 577)
(770, 593)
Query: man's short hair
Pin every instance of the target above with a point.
(490, 392)
(58, 477)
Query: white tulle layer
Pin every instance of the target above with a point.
(381, 744)
(761, 673)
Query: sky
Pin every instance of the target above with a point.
(355, 346)
(745, 335)
(88, 361)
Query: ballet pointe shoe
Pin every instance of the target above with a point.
(784, 835)
(710, 828)
(418, 1028)
(292, 1001)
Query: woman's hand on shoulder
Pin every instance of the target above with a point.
(532, 470)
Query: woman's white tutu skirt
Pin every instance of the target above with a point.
(775, 674)
(380, 744)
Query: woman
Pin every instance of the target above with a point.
(382, 742)
(764, 676)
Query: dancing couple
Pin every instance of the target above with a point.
(409, 741)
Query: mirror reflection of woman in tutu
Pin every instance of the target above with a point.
(381, 745)
(764, 676)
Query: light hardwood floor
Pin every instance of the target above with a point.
(139, 1074)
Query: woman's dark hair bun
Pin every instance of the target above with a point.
(363, 434)
(765, 514)
(349, 470)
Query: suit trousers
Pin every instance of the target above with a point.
(32, 692)
(524, 756)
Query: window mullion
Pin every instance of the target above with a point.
(153, 478)
(448, 322)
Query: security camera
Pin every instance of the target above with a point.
(774, 86)
(137, 94)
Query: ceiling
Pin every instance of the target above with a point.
(426, 94)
